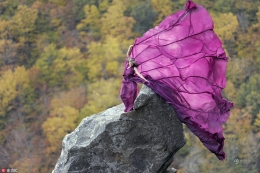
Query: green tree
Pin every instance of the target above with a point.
(101, 95)
(79, 5)
(23, 21)
(8, 52)
(9, 7)
(163, 8)
(103, 59)
(255, 43)
(15, 36)
(238, 70)
(257, 122)
(248, 95)
(145, 17)
(59, 66)
(91, 23)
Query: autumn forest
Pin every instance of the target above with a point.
(62, 60)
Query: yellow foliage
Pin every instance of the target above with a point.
(104, 58)
(101, 95)
(3, 28)
(7, 90)
(60, 65)
(63, 116)
(112, 67)
(237, 70)
(103, 6)
(69, 60)
(37, 4)
(257, 121)
(42, 41)
(239, 129)
(92, 17)
(55, 22)
(239, 118)
(115, 24)
(225, 25)
(21, 76)
(23, 21)
(230, 91)
(75, 97)
(22, 40)
(11, 83)
(49, 54)
(62, 121)
(27, 164)
(164, 8)
(13, 32)
(91, 22)
(96, 60)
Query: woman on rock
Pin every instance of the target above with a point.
(183, 61)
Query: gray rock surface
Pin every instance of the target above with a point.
(141, 141)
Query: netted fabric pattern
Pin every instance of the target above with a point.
(184, 62)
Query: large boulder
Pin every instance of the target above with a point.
(141, 141)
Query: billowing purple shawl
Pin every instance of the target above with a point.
(185, 64)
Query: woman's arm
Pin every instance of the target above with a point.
(139, 74)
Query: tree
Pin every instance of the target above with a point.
(62, 120)
(91, 23)
(230, 91)
(63, 116)
(238, 70)
(101, 95)
(8, 52)
(225, 29)
(59, 66)
(23, 21)
(163, 8)
(103, 5)
(15, 35)
(256, 42)
(75, 97)
(103, 59)
(79, 5)
(257, 122)
(248, 95)
(145, 17)
(27, 164)
(9, 7)
(11, 83)
(115, 24)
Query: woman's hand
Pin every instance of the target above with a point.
(139, 74)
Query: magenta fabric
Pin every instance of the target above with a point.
(184, 62)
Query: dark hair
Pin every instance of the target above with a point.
(132, 60)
